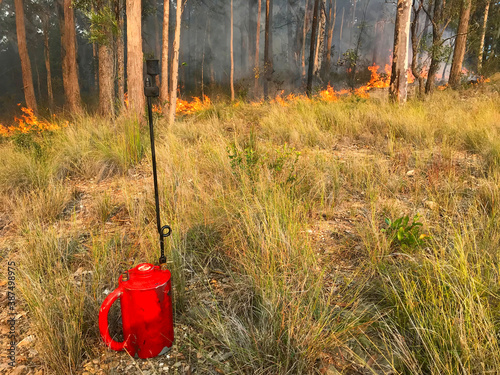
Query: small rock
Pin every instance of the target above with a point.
(19, 370)
(26, 341)
(410, 173)
(226, 356)
(177, 364)
(431, 205)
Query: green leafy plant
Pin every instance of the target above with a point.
(247, 160)
(405, 233)
(285, 162)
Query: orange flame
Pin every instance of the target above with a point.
(28, 123)
(187, 108)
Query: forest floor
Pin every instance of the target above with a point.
(353, 237)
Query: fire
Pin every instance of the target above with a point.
(329, 95)
(187, 108)
(284, 100)
(411, 77)
(184, 107)
(379, 80)
(28, 123)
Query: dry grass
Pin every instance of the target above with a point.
(242, 186)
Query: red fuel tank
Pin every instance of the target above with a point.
(146, 304)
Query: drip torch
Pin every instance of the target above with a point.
(145, 290)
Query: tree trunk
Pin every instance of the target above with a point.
(203, 59)
(164, 93)
(271, 55)
(352, 22)
(311, 50)
(95, 69)
(415, 41)
(340, 36)
(483, 34)
(436, 39)
(319, 36)
(427, 23)
(157, 31)
(460, 43)
(175, 63)
(304, 35)
(268, 67)
(399, 76)
(332, 15)
(39, 86)
(439, 24)
(46, 51)
(106, 89)
(29, 91)
(120, 58)
(257, 42)
(376, 43)
(135, 83)
(290, 44)
(231, 48)
(251, 31)
(69, 65)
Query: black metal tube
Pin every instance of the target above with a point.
(155, 181)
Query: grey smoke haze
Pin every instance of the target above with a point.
(204, 50)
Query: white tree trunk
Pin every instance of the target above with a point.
(175, 63)
(398, 89)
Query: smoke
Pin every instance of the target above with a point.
(364, 30)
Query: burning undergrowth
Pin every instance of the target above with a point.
(29, 123)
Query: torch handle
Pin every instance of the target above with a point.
(165, 230)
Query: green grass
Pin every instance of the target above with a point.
(290, 203)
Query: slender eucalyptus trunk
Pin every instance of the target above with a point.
(340, 35)
(268, 64)
(483, 34)
(106, 89)
(399, 76)
(175, 63)
(304, 34)
(46, 53)
(311, 50)
(164, 92)
(157, 31)
(231, 48)
(320, 37)
(332, 15)
(120, 58)
(289, 31)
(135, 84)
(460, 43)
(257, 44)
(29, 91)
(69, 65)
(251, 32)
(415, 41)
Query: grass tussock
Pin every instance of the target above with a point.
(303, 208)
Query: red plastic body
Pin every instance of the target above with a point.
(146, 304)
